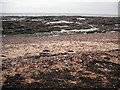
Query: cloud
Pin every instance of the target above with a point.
(60, 6)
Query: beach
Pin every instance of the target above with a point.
(68, 61)
(20, 45)
(60, 52)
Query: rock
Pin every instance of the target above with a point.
(3, 56)
(46, 51)
(44, 54)
(73, 82)
(70, 77)
(70, 51)
(13, 64)
(107, 58)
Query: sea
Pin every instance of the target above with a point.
(56, 14)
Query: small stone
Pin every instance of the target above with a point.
(70, 51)
(73, 82)
(70, 77)
(44, 54)
(107, 58)
(3, 56)
(46, 51)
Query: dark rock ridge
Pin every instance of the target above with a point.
(31, 25)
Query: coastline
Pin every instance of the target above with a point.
(60, 61)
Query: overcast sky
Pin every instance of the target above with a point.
(60, 6)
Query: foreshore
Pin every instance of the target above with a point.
(67, 61)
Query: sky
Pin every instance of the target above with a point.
(60, 6)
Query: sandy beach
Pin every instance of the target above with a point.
(17, 45)
(80, 60)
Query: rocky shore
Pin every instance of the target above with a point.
(58, 25)
(60, 52)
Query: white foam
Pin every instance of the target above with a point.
(63, 30)
(60, 26)
(17, 19)
(78, 23)
(4, 20)
(113, 31)
(81, 18)
(116, 28)
(36, 19)
(81, 30)
(57, 22)
(116, 25)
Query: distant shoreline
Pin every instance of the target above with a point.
(56, 14)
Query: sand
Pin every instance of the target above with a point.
(68, 61)
(15, 46)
